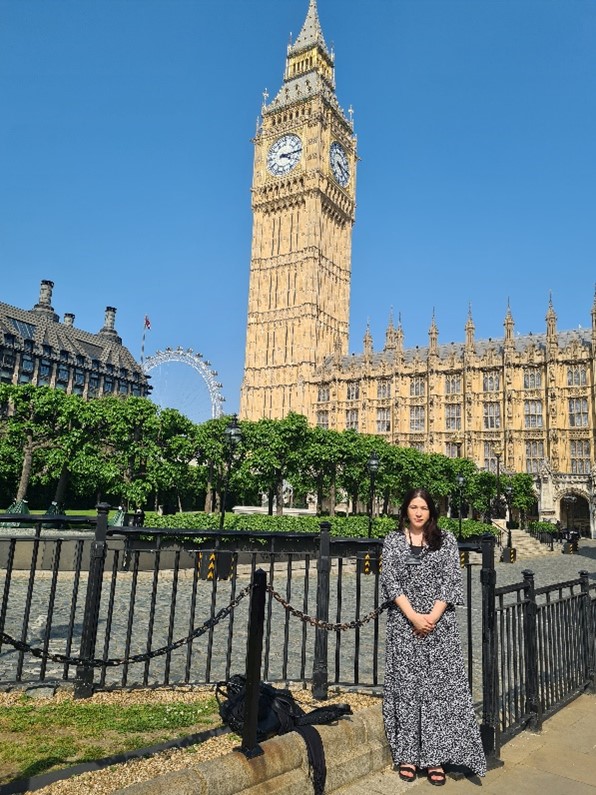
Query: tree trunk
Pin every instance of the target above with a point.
(61, 487)
(270, 496)
(386, 502)
(209, 498)
(354, 502)
(279, 508)
(319, 494)
(26, 469)
(332, 498)
(179, 501)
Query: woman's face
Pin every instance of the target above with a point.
(418, 513)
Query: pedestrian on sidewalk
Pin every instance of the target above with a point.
(427, 706)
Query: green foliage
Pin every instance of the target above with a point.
(130, 452)
(543, 527)
(341, 526)
(470, 528)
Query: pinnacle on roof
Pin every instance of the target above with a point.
(311, 33)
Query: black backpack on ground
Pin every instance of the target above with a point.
(279, 713)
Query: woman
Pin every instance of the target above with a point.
(427, 707)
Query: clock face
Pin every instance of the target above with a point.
(284, 155)
(339, 163)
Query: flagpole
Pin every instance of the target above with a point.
(146, 325)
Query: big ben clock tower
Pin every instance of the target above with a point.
(303, 202)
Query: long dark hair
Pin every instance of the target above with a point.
(431, 532)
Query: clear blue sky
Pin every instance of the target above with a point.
(126, 160)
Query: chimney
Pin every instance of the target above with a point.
(109, 321)
(69, 319)
(45, 296)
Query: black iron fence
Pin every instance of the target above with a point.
(542, 645)
(567, 538)
(134, 601)
(116, 607)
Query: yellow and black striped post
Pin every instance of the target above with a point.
(464, 558)
(509, 555)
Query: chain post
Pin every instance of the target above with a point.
(83, 686)
(533, 705)
(320, 680)
(588, 633)
(489, 728)
(250, 747)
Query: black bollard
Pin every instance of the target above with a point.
(250, 747)
(320, 675)
(489, 728)
(83, 686)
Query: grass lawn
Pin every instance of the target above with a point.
(39, 735)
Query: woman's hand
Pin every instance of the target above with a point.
(422, 624)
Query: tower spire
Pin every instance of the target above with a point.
(470, 328)
(310, 68)
(311, 33)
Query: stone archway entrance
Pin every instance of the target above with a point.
(575, 513)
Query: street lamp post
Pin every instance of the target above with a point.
(233, 435)
(498, 451)
(570, 501)
(460, 483)
(372, 466)
(508, 493)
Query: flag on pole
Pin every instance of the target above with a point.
(146, 325)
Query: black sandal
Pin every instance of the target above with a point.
(436, 776)
(407, 772)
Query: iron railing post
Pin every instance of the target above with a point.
(83, 686)
(489, 728)
(533, 705)
(320, 674)
(470, 625)
(250, 747)
(589, 633)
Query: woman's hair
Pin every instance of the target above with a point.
(431, 530)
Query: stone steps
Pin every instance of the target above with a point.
(528, 547)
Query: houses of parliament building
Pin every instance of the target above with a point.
(526, 403)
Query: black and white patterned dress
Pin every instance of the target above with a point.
(427, 707)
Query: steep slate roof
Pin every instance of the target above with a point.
(42, 325)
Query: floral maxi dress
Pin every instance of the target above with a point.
(427, 706)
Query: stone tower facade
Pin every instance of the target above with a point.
(517, 403)
(303, 202)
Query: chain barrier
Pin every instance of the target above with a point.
(66, 659)
(317, 622)
(135, 658)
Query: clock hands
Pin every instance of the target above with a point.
(289, 154)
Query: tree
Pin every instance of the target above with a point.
(177, 444)
(523, 495)
(34, 420)
(274, 453)
(319, 464)
(130, 447)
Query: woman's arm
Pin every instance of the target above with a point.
(439, 608)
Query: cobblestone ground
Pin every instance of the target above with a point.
(162, 609)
